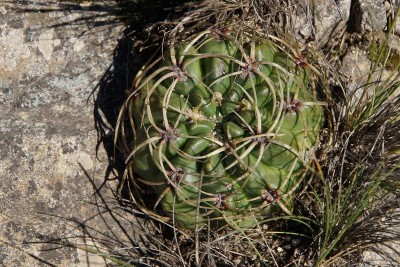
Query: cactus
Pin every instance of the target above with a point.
(224, 128)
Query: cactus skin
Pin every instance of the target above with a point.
(223, 130)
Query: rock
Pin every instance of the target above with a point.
(373, 259)
(332, 17)
(373, 14)
(12, 40)
(356, 65)
(303, 20)
(391, 9)
(328, 16)
(355, 68)
(49, 167)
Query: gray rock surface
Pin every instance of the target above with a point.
(303, 21)
(373, 259)
(374, 15)
(328, 17)
(356, 65)
(355, 69)
(48, 166)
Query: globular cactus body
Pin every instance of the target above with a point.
(224, 129)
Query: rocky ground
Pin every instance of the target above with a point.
(50, 62)
(53, 187)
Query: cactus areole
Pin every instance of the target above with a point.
(224, 129)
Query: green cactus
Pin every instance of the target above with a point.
(224, 129)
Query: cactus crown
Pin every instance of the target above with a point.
(225, 127)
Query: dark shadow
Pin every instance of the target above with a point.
(355, 17)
